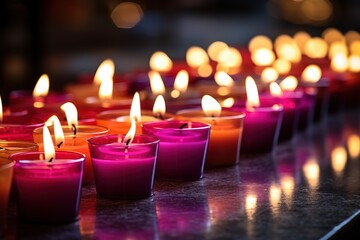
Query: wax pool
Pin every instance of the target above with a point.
(6, 173)
(124, 172)
(48, 192)
(182, 148)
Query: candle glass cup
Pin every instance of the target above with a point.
(19, 127)
(48, 192)
(124, 171)
(6, 174)
(182, 148)
(225, 135)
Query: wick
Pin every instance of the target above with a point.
(127, 143)
(74, 128)
(51, 159)
(212, 116)
(159, 115)
(59, 145)
(1, 148)
(183, 125)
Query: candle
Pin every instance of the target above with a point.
(182, 148)
(48, 184)
(6, 173)
(18, 127)
(225, 134)
(124, 166)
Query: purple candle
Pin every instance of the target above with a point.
(18, 128)
(124, 170)
(48, 191)
(182, 148)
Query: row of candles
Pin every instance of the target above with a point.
(124, 150)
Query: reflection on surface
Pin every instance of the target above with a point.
(353, 144)
(275, 198)
(250, 205)
(87, 216)
(288, 185)
(311, 171)
(338, 160)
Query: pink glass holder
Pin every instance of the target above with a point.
(19, 97)
(18, 127)
(124, 172)
(48, 192)
(182, 148)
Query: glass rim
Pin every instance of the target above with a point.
(101, 130)
(7, 165)
(117, 113)
(203, 127)
(81, 158)
(26, 145)
(237, 115)
(110, 136)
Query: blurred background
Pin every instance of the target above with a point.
(66, 38)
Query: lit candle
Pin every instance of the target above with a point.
(6, 174)
(182, 148)
(48, 184)
(124, 166)
(225, 134)
(74, 137)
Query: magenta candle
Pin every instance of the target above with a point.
(182, 148)
(124, 171)
(307, 108)
(48, 192)
(21, 97)
(18, 127)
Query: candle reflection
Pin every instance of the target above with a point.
(311, 171)
(353, 145)
(275, 198)
(250, 205)
(338, 160)
(288, 185)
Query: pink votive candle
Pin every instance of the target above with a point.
(18, 127)
(124, 171)
(48, 192)
(182, 148)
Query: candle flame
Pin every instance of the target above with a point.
(252, 93)
(228, 102)
(353, 144)
(106, 88)
(282, 66)
(260, 41)
(230, 58)
(331, 35)
(290, 83)
(135, 110)
(105, 70)
(42, 86)
(58, 132)
(301, 38)
(338, 48)
(49, 149)
(311, 73)
(354, 63)
(156, 83)
(71, 114)
(338, 159)
(263, 57)
(355, 47)
(129, 137)
(181, 81)
(215, 48)
(316, 48)
(210, 106)
(275, 89)
(204, 70)
(269, 74)
(289, 51)
(223, 79)
(161, 62)
(196, 56)
(339, 63)
(159, 107)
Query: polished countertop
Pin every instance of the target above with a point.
(308, 189)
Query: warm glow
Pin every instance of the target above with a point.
(129, 137)
(223, 91)
(316, 11)
(289, 83)
(339, 63)
(353, 145)
(196, 56)
(230, 58)
(288, 186)
(156, 83)
(275, 89)
(210, 106)
(354, 63)
(355, 47)
(71, 114)
(311, 171)
(106, 89)
(126, 14)
(159, 61)
(351, 36)
(252, 93)
(228, 102)
(282, 39)
(269, 74)
(105, 70)
(301, 38)
(135, 109)
(159, 107)
(331, 35)
(275, 196)
(181, 81)
(338, 159)
(215, 49)
(282, 66)
(316, 48)
(175, 93)
(204, 70)
(58, 131)
(49, 149)
(288, 50)
(263, 57)
(250, 205)
(311, 73)
(1, 110)
(337, 48)
(260, 41)
(42, 86)
(223, 79)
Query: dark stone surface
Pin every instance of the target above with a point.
(263, 197)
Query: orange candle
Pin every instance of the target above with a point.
(6, 173)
